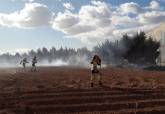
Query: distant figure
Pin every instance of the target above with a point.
(95, 73)
(23, 62)
(34, 61)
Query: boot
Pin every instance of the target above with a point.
(91, 84)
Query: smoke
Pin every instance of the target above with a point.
(63, 57)
(81, 61)
(80, 58)
(78, 61)
(58, 62)
(7, 64)
(11, 64)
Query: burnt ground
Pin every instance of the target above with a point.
(61, 90)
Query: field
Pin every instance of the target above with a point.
(59, 90)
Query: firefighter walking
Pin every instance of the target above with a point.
(95, 70)
(23, 62)
(34, 61)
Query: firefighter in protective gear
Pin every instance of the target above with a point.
(23, 62)
(34, 61)
(95, 70)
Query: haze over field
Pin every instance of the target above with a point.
(81, 56)
(29, 25)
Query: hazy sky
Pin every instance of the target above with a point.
(32, 24)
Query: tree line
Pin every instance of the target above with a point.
(137, 49)
(43, 54)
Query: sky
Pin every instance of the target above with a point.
(33, 24)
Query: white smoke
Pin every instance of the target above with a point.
(81, 61)
(8, 65)
(58, 62)
(75, 61)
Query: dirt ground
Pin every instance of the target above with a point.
(66, 90)
(15, 79)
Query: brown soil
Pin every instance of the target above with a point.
(53, 90)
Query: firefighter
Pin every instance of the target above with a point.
(23, 62)
(34, 61)
(95, 70)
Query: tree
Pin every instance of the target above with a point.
(137, 49)
(143, 50)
